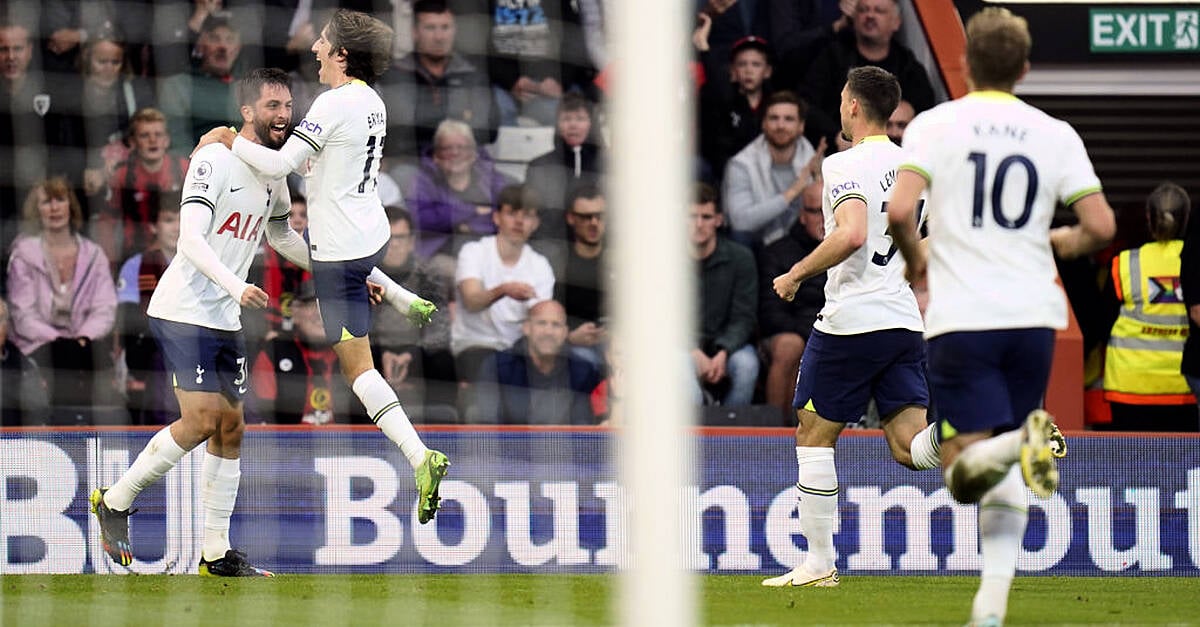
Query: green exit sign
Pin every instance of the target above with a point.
(1144, 30)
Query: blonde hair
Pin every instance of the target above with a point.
(85, 56)
(56, 187)
(998, 44)
(145, 115)
(454, 128)
(1167, 210)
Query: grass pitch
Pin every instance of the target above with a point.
(574, 600)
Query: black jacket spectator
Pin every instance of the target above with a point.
(776, 315)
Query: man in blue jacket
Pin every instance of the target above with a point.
(536, 381)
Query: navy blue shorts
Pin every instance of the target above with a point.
(989, 380)
(201, 359)
(840, 374)
(342, 295)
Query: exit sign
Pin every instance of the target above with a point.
(1144, 30)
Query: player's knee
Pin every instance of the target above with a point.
(204, 421)
(232, 428)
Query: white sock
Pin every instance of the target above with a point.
(387, 414)
(1003, 513)
(161, 454)
(925, 448)
(817, 486)
(218, 493)
(393, 292)
(982, 465)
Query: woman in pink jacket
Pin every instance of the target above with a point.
(62, 300)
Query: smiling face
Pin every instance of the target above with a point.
(454, 154)
(782, 125)
(271, 115)
(332, 66)
(546, 329)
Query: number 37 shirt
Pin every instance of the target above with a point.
(995, 167)
(866, 291)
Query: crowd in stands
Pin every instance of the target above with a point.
(102, 101)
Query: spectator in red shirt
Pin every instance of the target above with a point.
(126, 227)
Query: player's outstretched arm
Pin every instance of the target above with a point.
(902, 221)
(274, 163)
(194, 218)
(1096, 228)
(419, 311)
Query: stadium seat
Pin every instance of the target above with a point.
(516, 146)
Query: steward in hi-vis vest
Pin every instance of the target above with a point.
(1142, 376)
(1146, 345)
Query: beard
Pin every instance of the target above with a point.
(782, 141)
(263, 131)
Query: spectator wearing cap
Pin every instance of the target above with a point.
(203, 98)
(731, 109)
(295, 377)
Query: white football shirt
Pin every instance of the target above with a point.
(345, 128)
(866, 291)
(995, 168)
(241, 202)
(497, 326)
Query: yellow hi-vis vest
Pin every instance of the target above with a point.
(1141, 365)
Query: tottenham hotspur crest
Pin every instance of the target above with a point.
(41, 104)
